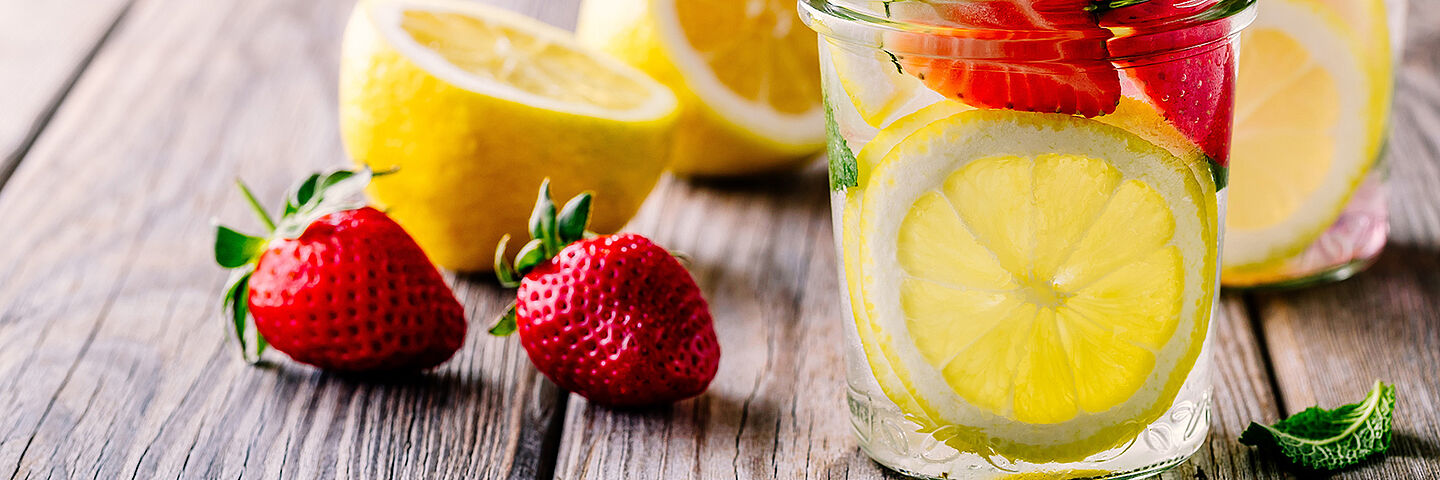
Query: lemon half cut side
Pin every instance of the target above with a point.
(745, 73)
(474, 106)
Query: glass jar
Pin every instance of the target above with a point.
(1308, 204)
(1028, 201)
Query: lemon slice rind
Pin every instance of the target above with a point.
(963, 137)
(757, 119)
(386, 18)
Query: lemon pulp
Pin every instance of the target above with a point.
(1043, 303)
(503, 54)
(474, 106)
(765, 55)
(744, 72)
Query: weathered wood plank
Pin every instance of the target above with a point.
(764, 254)
(113, 360)
(1329, 343)
(43, 47)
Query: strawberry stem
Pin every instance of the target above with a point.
(549, 234)
(505, 325)
(255, 205)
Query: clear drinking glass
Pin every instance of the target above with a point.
(1027, 201)
(1308, 204)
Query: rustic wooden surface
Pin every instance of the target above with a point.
(114, 364)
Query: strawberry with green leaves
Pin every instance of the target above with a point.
(337, 284)
(614, 318)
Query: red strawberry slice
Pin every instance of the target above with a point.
(1187, 71)
(1031, 55)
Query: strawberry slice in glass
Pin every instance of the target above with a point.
(1191, 83)
(1030, 55)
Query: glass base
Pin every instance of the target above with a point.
(1336, 274)
(889, 439)
(1145, 472)
(1346, 248)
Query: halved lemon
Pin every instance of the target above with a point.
(1308, 122)
(1038, 299)
(474, 106)
(745, 73)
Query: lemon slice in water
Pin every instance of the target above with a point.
(1041, 300)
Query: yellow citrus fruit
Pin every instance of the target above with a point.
(745, 73)
(474, 106)
(1043, 301)
(1309, 118)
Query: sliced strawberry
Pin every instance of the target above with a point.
(1187, 70)
(1031, 55)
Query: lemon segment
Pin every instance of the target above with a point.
(1039, 300)
(1309, 118)
(474, 106)
(744, 72)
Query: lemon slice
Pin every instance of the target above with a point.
(874, 83)
(1307, 127)
(474, 106)
(1039, 300)
(849, 224)
(745, 73)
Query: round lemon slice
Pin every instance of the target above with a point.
(1036, 284)
(474, 106)
(745, 73)
(1308, 121)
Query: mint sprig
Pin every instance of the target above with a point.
(844, 171)
(1322, 439)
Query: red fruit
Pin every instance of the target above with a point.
(1031, 55)
(351, 292)
(613, 318)
(1186, 68)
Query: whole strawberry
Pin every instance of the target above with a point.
(613, 318)
(338, 285)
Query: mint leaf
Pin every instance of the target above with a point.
(1330, 439)
(1219, 173)
(843, 171)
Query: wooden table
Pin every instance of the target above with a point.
(123, 122)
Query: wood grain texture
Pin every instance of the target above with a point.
(764, 255)
(113, 360)
(43, 48)
(114, 364)
(1328, 344)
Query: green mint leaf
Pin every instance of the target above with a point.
(234, 249)
(1101, 6)
(1219, 173)
(504, 325)
(1322, 439)
(843, 170)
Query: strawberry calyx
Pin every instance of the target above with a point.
(550, 231)
(317, 196)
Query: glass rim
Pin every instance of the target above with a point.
(841, 23)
